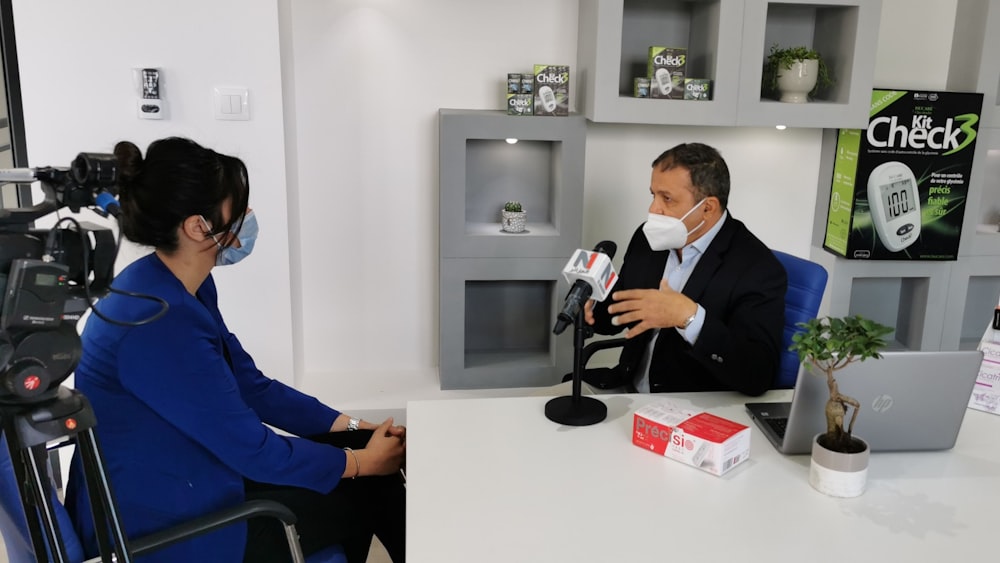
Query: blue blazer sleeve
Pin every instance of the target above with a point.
(274, 402)
(176, 367)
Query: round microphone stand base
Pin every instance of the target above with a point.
(576, 410)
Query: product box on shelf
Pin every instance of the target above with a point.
(697, 89)
(519, 104)
(899, 186)
(666, 70)
(551, 90)
(706, 441)
(640, 87)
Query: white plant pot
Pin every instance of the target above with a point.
(795, 83)
(513, 221)
(838, 474)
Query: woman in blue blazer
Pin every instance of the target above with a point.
(184, 414)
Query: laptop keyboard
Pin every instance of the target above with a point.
(778, 425)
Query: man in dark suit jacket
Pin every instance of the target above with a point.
(702, 298)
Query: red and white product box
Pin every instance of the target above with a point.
(706, 441)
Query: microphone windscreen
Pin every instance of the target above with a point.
(606, 247)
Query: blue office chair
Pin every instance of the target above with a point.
(806, 284)
(17, 539)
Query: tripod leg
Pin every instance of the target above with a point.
(36, 499)
(42, 489)
(107, 522)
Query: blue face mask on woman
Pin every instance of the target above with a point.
(247, 236)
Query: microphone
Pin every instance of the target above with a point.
(589, 273)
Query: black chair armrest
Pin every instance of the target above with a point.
(601, 378)
(211, 522)
(598, 345)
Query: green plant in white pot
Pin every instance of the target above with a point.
(839, 464)
(794, 74)
(513, 217)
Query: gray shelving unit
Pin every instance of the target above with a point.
(727, 41)
(975, 278)
(981, 225)
(974, 64)
(499, 292)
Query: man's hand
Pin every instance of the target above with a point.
(650, 308)
(588, 312)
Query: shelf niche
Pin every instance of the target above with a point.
(480, 171)
(614, 38)
(980, 301)
(974, 66)
(496, 172)
(496, 318)
(895, 302)
(844, 32)
(508, 323)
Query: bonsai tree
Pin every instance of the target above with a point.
(783, 58)
(829, 344)
(512, 207)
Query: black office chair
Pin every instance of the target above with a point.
(20, 549)
(806, 284)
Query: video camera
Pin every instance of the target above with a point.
(50, 277)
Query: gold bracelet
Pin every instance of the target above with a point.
(357, 463)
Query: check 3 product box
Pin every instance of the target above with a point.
(551, 90)
(519, 104)
(697, 89)
(700, 439)
(666, 70)
(899, 186)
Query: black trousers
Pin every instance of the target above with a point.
(348, 515)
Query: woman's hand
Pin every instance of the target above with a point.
(385, 451)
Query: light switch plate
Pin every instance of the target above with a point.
(231, 104)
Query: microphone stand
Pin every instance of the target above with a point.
(575, 409)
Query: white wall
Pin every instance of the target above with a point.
(348, 255)
(76, 61)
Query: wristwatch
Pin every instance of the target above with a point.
(353, 423)
(690, 320)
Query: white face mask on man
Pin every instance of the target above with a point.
(669, 233)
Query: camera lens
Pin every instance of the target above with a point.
(95, 170)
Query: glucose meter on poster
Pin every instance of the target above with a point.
(894, 204)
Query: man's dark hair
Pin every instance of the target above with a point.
(709, 173)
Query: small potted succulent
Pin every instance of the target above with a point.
(794, 74)
(839, 464)
(513, 217)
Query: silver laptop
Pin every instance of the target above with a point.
(909, 401)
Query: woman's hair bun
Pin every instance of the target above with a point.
(129, 163)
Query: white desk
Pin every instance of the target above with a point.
(494, 480)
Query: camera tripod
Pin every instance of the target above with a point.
(28, 428)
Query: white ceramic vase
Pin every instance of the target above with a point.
(795, 83)
(513, 221)
(838, 474)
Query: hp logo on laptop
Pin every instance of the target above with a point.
(882, 403)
